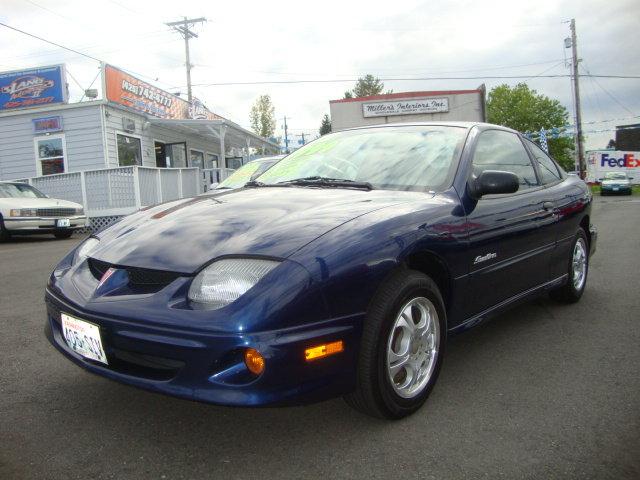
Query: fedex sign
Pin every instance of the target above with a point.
(627, 160)
(599, 162)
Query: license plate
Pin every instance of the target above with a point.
(615, 189)
(63, 222)
(83, 338)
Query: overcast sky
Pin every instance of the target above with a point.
(292, 40)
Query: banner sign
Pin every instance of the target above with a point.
(405, 107)
(47, 124)
(33, 88)
(138, 95)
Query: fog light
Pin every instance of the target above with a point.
(323, 350)
(254, 361)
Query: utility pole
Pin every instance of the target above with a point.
(286, 137)
(303, 141)
(183, 28)
(576, 93)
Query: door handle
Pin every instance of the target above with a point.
(548, 205)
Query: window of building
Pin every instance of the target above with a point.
(129, 150)
(50, 154)
(548, 169)
(196, 158)
(500, 150)
(211, 160)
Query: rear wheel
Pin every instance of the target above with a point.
(63, 234)
(577, 271)
(402, 347)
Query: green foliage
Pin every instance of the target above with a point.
(262, 117)
(523, 109)
(365, 86)
(325, 126)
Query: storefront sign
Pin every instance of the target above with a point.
(405, 107)
(47, 124)
(33, 88)
(131, 92)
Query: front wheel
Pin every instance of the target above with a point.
(402, 347)
(578, 268)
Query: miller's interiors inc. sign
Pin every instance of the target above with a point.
(405, 107)
(34, 87)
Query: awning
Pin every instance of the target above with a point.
(227, 133)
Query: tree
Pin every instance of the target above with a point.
(325, 126)
(262, 117)
(525, 110)
(365, 86)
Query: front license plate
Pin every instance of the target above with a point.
(615, 189)
(83, 338)
(63, 222)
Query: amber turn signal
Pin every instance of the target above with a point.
(324, 350)
(254, 361)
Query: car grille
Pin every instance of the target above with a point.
(56, 212)
(145, 279)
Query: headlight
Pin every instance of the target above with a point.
(85, 249)
(226, 280)
(79, 211)
(23, 212)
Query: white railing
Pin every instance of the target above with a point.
(214, 175)
(122, 190)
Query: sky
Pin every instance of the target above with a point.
(277, 41)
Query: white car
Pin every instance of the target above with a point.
(25, 210)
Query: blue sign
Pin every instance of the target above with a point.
(33, 88)
(47, 124)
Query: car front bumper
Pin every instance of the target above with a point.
(615, 189)
(41, 224)
(209, 367)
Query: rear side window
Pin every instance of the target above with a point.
(500, 150)
(549, 172)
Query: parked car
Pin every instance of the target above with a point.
(25, 210)
(616, 182)
(247, 172)
(341, 270)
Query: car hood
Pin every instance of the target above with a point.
(184, 235)
(25, 202)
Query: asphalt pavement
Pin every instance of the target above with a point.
(544, 391)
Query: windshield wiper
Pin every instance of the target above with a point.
(327, 182)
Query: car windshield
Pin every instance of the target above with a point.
(245, 173)
(14, 190)
(413, 157)
(615, 176)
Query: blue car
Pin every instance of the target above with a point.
(340, 271)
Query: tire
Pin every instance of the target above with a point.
(377, 393)
(572, 291)
(63, 234)
(4, 234)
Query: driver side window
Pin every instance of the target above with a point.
(500, 150)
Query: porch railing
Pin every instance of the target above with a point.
(122, 190)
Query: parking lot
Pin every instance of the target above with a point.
(544, 391)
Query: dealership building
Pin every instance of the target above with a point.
(135, 123)
(447, 105)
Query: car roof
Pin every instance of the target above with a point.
(467, 125)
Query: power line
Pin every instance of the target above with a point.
(407, 79)
(607, 92)
(50, 42)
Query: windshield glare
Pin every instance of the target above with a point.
(12, 190)
(414, 157)
(615, 176)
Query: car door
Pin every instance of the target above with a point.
(508, 251)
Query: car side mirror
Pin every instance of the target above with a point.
(491, 182)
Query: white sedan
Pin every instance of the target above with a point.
(25, 210)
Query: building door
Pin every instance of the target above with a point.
(161, 155)
(176, 155)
